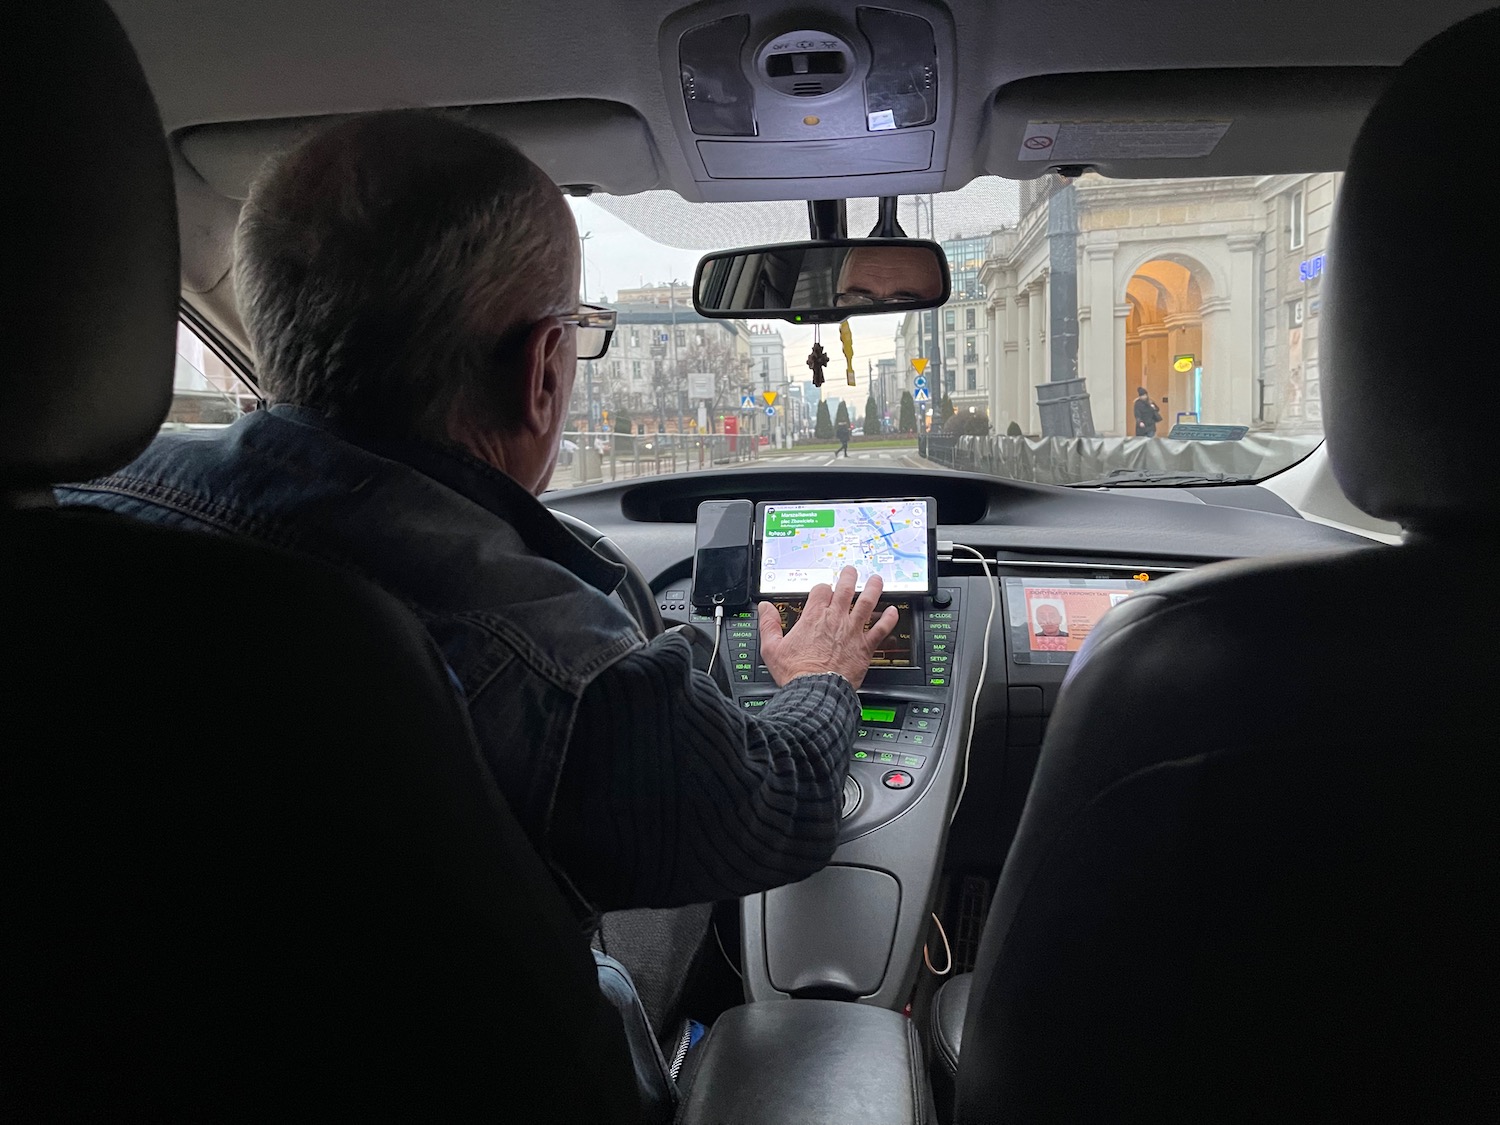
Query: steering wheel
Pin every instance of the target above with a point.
(634, 591)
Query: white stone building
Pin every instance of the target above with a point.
(1206, 292)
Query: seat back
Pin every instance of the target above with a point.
(1256, 869)
(251, 862)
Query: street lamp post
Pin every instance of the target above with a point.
(583, 278)
(676, 367)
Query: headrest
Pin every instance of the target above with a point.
(1411, 385)
(91, 307)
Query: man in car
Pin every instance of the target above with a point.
(876, 275)
(409, 285)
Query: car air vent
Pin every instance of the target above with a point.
(807, 89)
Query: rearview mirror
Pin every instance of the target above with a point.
(822, 282)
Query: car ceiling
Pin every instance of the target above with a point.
(235, 80)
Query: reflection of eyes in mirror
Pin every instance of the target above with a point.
(811, 278)
(888, 275)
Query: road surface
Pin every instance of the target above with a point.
(901, 458)
(628, 467)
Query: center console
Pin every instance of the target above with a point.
(854, 931)
(907, 705)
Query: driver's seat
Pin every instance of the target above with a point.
(251, 865)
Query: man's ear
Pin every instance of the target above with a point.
(541, 374)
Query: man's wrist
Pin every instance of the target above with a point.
(795, 676)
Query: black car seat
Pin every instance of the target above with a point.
(1274, 901)
(251, 865)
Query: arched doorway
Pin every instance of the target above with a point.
(1165, 322)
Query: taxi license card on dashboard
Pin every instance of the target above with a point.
(801, 543)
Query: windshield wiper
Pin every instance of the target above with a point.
(1158, 476)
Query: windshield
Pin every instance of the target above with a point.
(1099, 332)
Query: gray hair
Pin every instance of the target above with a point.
(387, 267)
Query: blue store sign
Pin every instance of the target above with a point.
(1312, 267)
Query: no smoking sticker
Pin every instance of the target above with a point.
(1038, 141)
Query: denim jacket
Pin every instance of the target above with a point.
(518, 606)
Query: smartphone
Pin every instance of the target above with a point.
(721, 555)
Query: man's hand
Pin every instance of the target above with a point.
(830, 636)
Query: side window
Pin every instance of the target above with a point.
(948, 315)
(970, 380)
(969, 319)
(1296, 220)
(206, 391)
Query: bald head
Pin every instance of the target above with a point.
(385, 266)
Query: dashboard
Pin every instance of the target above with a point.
(957, 701)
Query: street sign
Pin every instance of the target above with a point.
(746, 403)
(770, 412)
(920, 381)
(770, 397)
(700, 384)
(921, 394)
(920, 364)
(1184, 363)
(662, 337)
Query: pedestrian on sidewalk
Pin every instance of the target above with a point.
(1147, 414)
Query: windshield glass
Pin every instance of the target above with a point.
(1099, 332)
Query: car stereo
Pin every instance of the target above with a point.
(799, 544)
(897, 651)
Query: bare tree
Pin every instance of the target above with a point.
(713, 351)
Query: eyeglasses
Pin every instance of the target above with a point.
(864, 300)
(596, 326)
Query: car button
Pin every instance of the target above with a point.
(896, 779)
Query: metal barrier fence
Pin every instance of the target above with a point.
(1070, 460)
(592, 458)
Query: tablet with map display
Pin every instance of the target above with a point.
(800, 544)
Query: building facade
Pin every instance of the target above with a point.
(768, 357)
(955, 339)
(1205, 292)
(657, 342)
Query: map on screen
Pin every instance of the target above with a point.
(805, 544)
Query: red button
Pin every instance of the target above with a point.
(896, 779)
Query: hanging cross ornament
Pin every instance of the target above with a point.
(817, 359)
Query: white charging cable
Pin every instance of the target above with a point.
(984, 667)
(718, 635)
(946, 550)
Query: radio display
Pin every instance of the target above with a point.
(894, 652)
(1051, 618)
(877, 714)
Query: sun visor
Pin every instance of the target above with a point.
(1146, 124)
(599, 144)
